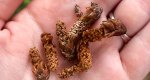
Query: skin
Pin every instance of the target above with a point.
(111, 61)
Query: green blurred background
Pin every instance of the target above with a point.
(23, 5)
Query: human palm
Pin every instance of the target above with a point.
(112, 59)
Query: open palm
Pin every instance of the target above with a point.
(112, 59)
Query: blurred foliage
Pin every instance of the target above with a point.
(23, 5)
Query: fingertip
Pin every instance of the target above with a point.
(4, 36)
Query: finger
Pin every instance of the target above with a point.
(46, 13)
(134, 14)
(136, 55)
(7, 8)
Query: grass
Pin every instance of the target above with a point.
(23, 5)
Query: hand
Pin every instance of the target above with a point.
(112, 59)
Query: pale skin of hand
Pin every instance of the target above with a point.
(112, 59)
